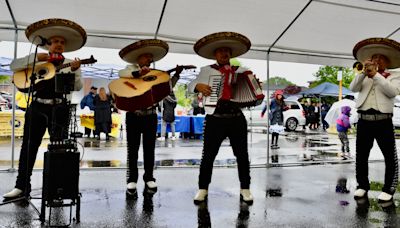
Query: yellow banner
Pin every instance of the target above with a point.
(87, 120)
(6, 123)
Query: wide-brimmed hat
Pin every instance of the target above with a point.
(157, 48)
(207, 45)
(74, 35)
(364, 50)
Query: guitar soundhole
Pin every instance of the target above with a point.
(42, 72)
(149, 78)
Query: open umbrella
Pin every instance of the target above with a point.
(335, 111)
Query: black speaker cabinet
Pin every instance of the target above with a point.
(60, 175)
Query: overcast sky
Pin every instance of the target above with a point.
(297, 73)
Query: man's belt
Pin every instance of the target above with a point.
(53, 101)
(375, 117)
(227, 115)
(145, 112)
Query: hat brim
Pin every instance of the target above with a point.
(74, 35)
(207, 45)
(365, 49)
(157, 48)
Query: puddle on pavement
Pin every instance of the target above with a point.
(277, 192)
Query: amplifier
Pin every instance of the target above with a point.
(60, 175)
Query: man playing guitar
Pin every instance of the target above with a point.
(144, 121)
(46, 110)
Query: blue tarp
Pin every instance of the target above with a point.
(327, 89)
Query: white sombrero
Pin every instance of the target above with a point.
(74, 35)
(364, 50)
(206, 46)
(157, 48)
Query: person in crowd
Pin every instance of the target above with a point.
(324, 110)
(102, 113)
(168, 116)
(277, 107)
(87, 101)
(342, 126)
(48, 109)
(144, 121)
(226, 118)
(198, 105)
(377, 86)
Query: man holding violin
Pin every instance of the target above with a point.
(377, 88)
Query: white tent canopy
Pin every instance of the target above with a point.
(305, 31)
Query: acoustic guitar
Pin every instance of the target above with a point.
(131, 94)
(43, 71)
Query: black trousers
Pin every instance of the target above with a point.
(382, 131)
(135, 127)
(38, 118)
(216, 129)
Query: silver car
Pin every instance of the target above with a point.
(292, 118)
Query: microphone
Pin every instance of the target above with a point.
(44, 41)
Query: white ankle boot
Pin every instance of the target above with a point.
(360, 193)
(385, 197)
(151, 187)
(200, 196)
(246, 196)
(16, 192)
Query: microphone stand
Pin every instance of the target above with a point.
(26, 197)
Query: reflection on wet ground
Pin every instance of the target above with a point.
(296, 148)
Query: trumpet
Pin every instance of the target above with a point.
(360, 68)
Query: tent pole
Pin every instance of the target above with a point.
(267, 104)
(14, 90)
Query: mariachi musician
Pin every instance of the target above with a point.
(226, 119)
(48, 107)
(144, 121)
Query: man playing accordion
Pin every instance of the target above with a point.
(224, 118)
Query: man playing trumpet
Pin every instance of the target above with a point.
(377, 88)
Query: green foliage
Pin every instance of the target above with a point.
(235, 62)
(180, 91)
(278, 81)
(4, 78)
(329, 74)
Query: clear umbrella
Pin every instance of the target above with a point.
(335, 111)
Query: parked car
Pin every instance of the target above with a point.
(396, 115)
(292, 118)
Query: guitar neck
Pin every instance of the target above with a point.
(65, 65)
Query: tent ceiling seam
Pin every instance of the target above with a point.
(290, 24)
(356, 7)
(160, 20)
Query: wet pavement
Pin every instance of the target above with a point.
(283, 197)
(299, 190)
(296, 148)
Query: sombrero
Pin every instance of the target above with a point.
(364, 50)
(74, 35)
(206, 46)
(157, 48)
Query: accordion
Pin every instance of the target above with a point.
(246, 91)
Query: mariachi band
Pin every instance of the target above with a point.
(227, 89)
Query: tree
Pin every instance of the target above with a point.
(180, 93)
(4, 78)
(279, 81)
(329, 74)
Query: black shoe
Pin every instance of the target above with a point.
(107, 138)
(131, 193)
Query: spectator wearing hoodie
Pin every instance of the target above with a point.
(88, 101)
(168, 116)
(342, 126)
